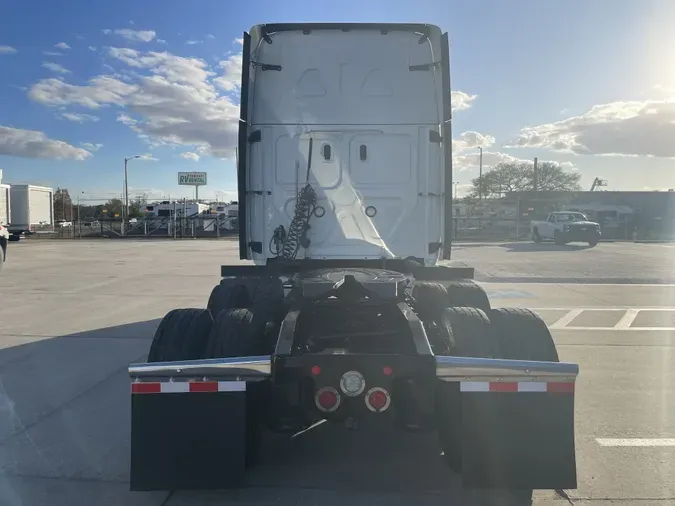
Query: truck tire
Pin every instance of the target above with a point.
(234, 335)
(523, 335)
(593, 243)
(15, 238)
(535, 236)
(181, 335)
(469, 334)
(227, 296)
(430, 299)
(2, 253)
(260, 291)
(557, 239)
(467, 293)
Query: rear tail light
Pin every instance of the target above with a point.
(377, 399)
(327, 399)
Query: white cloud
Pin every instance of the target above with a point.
(461, 101)
(193, 42)
(239, 41)
(34, 144)
(55, 67)
(627, 128)
(126, 120)
(92, 48)
(136, 35)
(148, 157)
(231, 78)
(52, 53)
(160, 41)
(107, 31)
(91, 147)
(465, 155)
(99, 92)
(472, 140)
(7, 50)
(177, 102)
(471, 161)
(210, 36)
(62, 45)
(188, 155)
(79, 118)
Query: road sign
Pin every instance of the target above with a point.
(192, 178)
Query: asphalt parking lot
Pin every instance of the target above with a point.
(74, 314)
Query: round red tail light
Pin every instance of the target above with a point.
(327, 399)
(377, 399)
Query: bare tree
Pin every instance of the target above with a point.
(514, 177)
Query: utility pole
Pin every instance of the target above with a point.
(535, 178)
(480, 174)
(125, 214)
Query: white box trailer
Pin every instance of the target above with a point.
(32, 210)
(5, 209)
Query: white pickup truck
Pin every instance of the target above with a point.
(566, 226)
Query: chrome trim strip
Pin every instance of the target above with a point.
(490, 369)
(237, 368)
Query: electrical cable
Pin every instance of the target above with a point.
(304, 208)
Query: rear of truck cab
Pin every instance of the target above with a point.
(375, 102)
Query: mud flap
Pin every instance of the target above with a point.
(518, 435)
(187, 435)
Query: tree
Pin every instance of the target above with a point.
(137, 206)
(63, 205)
(113, 207)
(519, 177)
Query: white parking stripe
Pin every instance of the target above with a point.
(601, 308)
(632, 329)
(562, 322)
(637, 442)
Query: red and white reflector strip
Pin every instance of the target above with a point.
(517, 386)
(185, 387)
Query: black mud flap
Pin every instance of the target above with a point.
(515, 438)
(187, 435)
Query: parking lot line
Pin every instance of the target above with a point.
(665, 441)
(624, 323)
(567, 319)
(627, 319)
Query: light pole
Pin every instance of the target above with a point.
(480, 173)
(126, 186)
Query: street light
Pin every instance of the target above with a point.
(480, 174)
(126, 186)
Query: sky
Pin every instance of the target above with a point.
(589, 84)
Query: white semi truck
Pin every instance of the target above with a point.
(343, 312)
(5, 204)
(32, 210)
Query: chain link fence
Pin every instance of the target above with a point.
(215, 226)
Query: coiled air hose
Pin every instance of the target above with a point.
(297, 231)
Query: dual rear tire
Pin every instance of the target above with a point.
(241, 320)
(510, 333)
